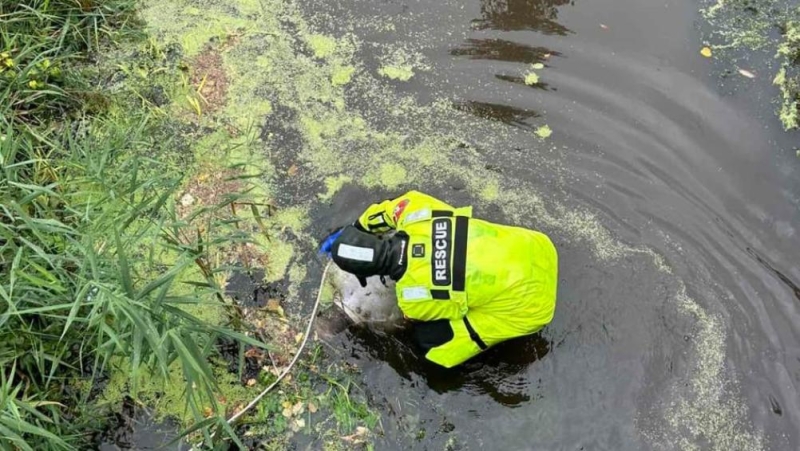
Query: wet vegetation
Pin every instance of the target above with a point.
(131, 192)
(763, 25)
(788, 77)
(104, 277)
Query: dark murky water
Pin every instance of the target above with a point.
(648, 139)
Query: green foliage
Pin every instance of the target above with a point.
(788, 78)
(86, 217)
(348, 412)
(22, 418)
(751, 25)
(40, 40)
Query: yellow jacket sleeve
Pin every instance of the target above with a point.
(385, 216)
(431, 310)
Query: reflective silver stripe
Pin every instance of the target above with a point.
(418, 215)
(416, 293)
(363, 254)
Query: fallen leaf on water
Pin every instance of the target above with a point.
(237, 409)
(544, 131)
(706, 51)
(537, 66)
(547, 55)
(287, 409)
(531, 78)
(298, 424)
(358, 436)
(747, 73)
(253, 352)
(187, 200)
(274, 306)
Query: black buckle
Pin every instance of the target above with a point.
(474, 335)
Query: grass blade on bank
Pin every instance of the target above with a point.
(81, 205)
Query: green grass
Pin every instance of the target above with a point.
(87, 214)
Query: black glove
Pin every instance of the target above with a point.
(357, 224)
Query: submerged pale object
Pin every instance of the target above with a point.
(375, 304)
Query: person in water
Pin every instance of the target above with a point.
(468, 284)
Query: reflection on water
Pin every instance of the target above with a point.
(507, 15)
(521, 81)
(135, 428)
(503, 50)
(500, 372)
(497, 112)
(781, 276)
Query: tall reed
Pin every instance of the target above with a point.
(85, 214)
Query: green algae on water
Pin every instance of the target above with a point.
(490, 191)
(172, 18)
(333, 185)
(294, 218)
(704, 408)
(321, 45)
(531, 78)
(390, 175)
(342, 75)
(400, 63)
(750, 25)
(402, 73)
(789, 54)
(167, 396)
(739, 23)
(544, 131)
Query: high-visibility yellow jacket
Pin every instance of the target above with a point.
(493, 282)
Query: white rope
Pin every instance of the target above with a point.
(286, 371)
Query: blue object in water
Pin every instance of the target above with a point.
(327, 245)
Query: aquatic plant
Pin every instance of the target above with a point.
(788, 77)
(544, 131)
(751, 25)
